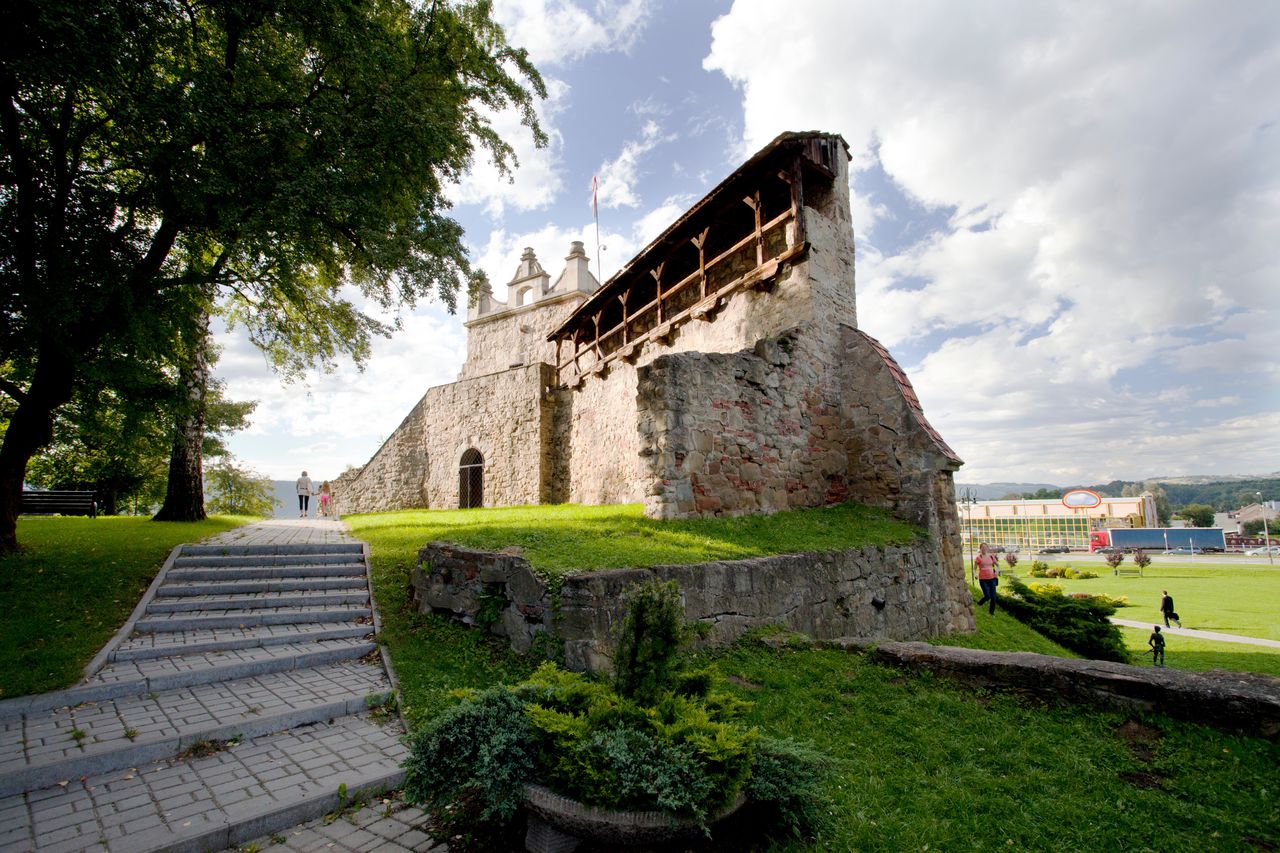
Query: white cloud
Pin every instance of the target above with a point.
(1112, 177)
(535, 182)
(618, 178)
(341, 418)
(557, 32)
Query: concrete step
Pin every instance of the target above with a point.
(48, 747)
(169, 644)
(182, 589)
(271, 550)
(139, 677)
(158, 622)
(257, 787)
(275, 658)
(257, 601)
(329, 570)
(217, 562)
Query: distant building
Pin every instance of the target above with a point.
(1032, 525)
(1234, 522)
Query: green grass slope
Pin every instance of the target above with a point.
(72, 585)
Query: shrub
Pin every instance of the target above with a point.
(1051, 572)
(1114, 559)
(1080, 624)
(481, 750)
(1141, 559)
(658, 739)
(788, 783)
(1046, 589)
(652, 633)
(1085, 574)
(1114, 601)
(1011, 559)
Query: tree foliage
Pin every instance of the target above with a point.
(238, 490)
(1197, 515)
(161, 156)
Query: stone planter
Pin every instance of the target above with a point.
(558, 824)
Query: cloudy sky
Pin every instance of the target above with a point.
(1067, 214)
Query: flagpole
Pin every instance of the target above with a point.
(595, 211)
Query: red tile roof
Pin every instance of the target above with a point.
(909, 394)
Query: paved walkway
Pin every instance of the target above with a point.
(1198, 634)
(239, 700)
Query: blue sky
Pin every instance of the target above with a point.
(1066, 214)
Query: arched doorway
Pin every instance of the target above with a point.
(471, 480)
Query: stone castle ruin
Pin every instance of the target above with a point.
(720, 372)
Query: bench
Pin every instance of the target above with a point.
(1128, 570)
(61, 503)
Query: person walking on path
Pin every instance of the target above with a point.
(326, 492)
(1166, 608)
(304, 495)
(987, 578)
(1156, 642)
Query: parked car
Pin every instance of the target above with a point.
(1055, 549)
(1263, 551)
(1184, 551)
(1111, 549)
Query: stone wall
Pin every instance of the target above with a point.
(752, 431)
(516, 336)
(874, 593)
(1236, 701)
(507, 416)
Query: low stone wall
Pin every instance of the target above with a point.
(1236, 701)
(893, 593)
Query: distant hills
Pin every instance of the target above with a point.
(1223, 492)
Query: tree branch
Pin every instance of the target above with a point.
(18, 395)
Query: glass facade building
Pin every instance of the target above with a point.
(1028, 526)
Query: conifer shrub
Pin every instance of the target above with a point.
(1080, 624)
(659, 738)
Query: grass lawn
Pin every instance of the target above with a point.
(432, 656)
(928, 766)
(565, 537)
(1002, 633)
(1233, 598)
(72, 585)
(1201, 655)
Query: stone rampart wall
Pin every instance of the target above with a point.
(506, 416)
(875, 593)
(516, 337)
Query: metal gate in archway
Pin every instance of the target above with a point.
(471, 480)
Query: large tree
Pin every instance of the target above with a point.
(266, 152)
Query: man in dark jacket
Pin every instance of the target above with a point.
(1166, 608)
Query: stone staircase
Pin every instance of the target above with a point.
(241, 698)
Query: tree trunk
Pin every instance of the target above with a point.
(184, 497)
(30, 428)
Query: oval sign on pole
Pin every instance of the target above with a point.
(1081, 499)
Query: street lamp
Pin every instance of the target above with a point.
(968, 497)
(1266, 537)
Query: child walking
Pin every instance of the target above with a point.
(1156, 642)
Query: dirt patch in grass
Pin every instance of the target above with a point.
(1143, 779)
(1258, 844)
(1140, 739)
(743, 683)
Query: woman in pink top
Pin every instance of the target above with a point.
(986, 565)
